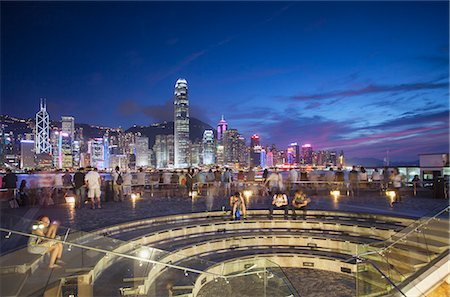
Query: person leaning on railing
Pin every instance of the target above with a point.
(41, 246)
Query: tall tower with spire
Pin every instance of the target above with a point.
(222, 126)
(181, 124)
(42, 137)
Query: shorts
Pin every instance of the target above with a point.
(41, 248)
(94, 193)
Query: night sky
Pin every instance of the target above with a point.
(365, 77)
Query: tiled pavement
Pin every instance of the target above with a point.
(112, 213)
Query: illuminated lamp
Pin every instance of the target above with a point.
(247, 193)
(335, 193)
(70, 199)
(391, 194)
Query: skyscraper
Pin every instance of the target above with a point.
(27, 160)
(208, 147)
(68, 126)
(181, 124)
(42, 130)
(221, 128)
(255, 151)
(142, 151)
(307, 153)
(164, 151)
(293, 153)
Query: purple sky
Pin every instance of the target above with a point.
(365, 77)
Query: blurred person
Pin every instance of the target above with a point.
(272, 182)
(292, 179)
(396, 179)
(217, 180)
(227, 180)
(10, 183)
(363, 177)
(127, 183)
(80, 187)
(353, 181)
(23, 193)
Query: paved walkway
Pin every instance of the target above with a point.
(112, 213)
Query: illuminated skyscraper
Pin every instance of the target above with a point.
(181, 124)
(255, 151)
(307, 153)
(42, 138)
(68, 126)
(293, 153)
(142, 151)
(164, 151)
(208, 147)
(27, 160)
(221, 128)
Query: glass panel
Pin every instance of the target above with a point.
(99, 265)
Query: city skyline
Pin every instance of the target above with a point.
(337, 75)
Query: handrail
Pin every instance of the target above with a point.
(381, 272)
(415, 229)
(114, 253)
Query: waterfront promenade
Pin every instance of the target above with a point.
(148, 206)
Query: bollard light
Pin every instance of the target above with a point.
(135, 196)
(70, 199)
(247, 194)
(335, 193)
(194, 194)
(391, 194)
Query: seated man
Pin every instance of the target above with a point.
(237, 202)
(279, 201)
(36, 245)
(299, 202)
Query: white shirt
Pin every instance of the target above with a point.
(363, 176)
(127, 177)
(280, 200)
(376, 176)
(92, 179)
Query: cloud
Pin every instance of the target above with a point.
(372, 89)
(414, 120)
(158, 112)
(177, 68)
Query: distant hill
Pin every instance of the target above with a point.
(196, 129)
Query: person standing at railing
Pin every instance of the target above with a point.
(80, 187)
(376, 179)
(10, 183)
(117, 184)
(396, 179)
(417, 183)
(227, 178)
(41, 246)
(353, 180)
(363, 178)
(127, 181)
(217, 180)
(210, 192)
(386, 178)
(141, 180)
(292, 179)
(273, 183)
(93, 182)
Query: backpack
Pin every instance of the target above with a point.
(119, 180)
